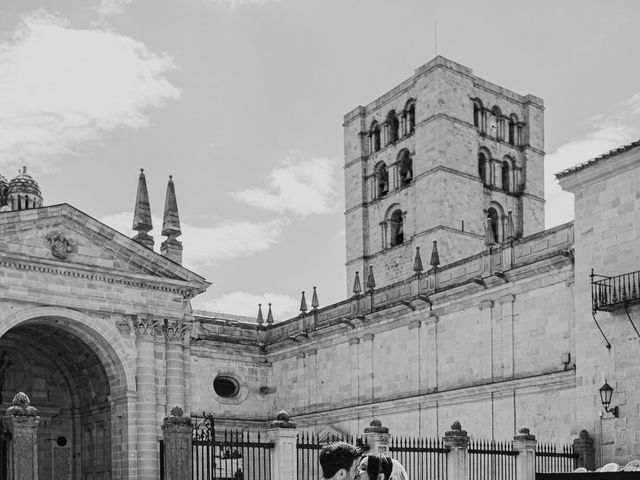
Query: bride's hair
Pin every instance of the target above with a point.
(377, 464)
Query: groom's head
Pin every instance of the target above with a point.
(339, 461)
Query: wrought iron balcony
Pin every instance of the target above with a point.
(610, 293)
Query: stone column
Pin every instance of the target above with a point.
(525, 444)
(284, 457)
(176, 430)
(457, 441)
(147, 443)
(174, 381)
(486, 340)
(377, 437)
(366, 369)
(355, 368)
(429, 339)
(22, 421)
(583, 446)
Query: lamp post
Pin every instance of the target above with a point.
(606, 392)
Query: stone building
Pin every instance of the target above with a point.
(492, 325)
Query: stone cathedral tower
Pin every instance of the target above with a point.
(445, 156)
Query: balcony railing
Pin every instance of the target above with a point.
(610, 293)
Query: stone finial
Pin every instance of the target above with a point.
(303, 304)
(417, 262)
(282, 421)
(21, 406)
(269, 316)
(371, 281)
(171, 247)
(260, 319)
(142, 214)
(314, 299)
(435, 257)
(376, 427)
(524, 434)
(456, 437)
(357, 287)
(177, 411)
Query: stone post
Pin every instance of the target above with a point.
(284, 458)
(22, 421)
(377, 437)
(583, 446)
(457, 441)
(176, 431)
(525, 444)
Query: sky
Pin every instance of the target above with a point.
(242, 102)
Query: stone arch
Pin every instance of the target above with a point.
(404, 167)
(103, 337)
(496, 213)
(395, 219)
(381, 180)
(484, 165)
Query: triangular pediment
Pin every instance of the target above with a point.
(64, 237)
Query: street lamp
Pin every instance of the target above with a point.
(606, 392)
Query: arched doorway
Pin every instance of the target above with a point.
(71, 373)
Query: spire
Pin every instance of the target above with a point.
(303, 304)
(435, 257)
(371, 282)
(417, 262)
(489, 241)
(511, 230)
(270, 316)
(357, 288)
(260, 319)
(142, 214)
(171, 247)
(314, 300)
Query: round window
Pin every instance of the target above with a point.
(225, 386)
(61, 441)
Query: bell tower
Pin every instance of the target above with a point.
(444, 156)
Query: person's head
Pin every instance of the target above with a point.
(375, 467)
(339, 461)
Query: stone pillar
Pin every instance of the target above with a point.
(176, 430)
(355, 368)
(284, 457)
(486, 340)
(174, 381)
(377, 437)
(525, 444)
(22, 421)
(366, 369)
(457, 441)
(147, 443)
(583, 446)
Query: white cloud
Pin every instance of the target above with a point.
(111, 8)
(608, 132)
(61, 88)
(205, 246)
(300, 185)
(241, 303)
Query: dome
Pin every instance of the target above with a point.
(23, 192)
(24, 183)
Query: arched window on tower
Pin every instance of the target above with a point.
(410, 111)
(512, 129)
(499, 123)
(405, 168)
(492, 213)
(396, 230)
(394, 126)
(382, 180)
(482, 167)
(375, 136)
(506, 175)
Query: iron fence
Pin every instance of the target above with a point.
(228, 454)
(308, 448)
(490, 460)
(608, 293)
(422, 458)
(553, 459)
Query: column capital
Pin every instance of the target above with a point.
(486, 304)
(507, 299)
(174, 331)
(144, 326)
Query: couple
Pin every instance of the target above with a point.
(343, 461)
